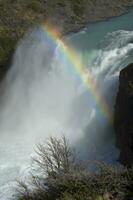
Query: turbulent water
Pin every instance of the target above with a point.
(43, 96)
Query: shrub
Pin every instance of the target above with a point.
(35, 5)
(78, 7)
(62, 177)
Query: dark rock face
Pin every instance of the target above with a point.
(123, 117)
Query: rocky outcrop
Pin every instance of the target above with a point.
(123, 118)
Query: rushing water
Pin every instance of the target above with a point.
(43, 96)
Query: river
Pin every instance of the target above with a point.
(44, 95)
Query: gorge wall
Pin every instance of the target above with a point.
(123, 117)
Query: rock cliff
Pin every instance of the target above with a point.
(123, 117)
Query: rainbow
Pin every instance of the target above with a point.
(84, 74)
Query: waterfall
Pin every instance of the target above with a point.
(42, 96)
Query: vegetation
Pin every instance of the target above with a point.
(78, 7)
(17, 16)
(62, 177)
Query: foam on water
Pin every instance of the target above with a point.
(41, 97)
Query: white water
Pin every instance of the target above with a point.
(42, 96)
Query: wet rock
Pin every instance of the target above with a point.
(123, 117)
